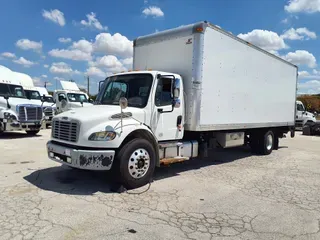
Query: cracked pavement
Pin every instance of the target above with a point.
(231, 195)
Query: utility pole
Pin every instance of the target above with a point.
(45, 84)
(88, 82)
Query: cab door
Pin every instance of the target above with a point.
(168, 114)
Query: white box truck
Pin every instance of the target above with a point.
(17, 113)
(70, 97)
(193, 88)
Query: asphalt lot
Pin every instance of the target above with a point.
(234, 195)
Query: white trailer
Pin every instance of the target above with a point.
(193, 88)
(17, 113)
(70, 97)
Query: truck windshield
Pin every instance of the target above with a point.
(31, 94)
(77, 97)
(11, 90)
(134, 87)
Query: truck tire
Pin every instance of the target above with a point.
(262, 142)
(276, 143)
(136, 162)
(32, 132)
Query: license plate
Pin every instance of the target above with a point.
(67, 152)
(5, 120)
(46, 118)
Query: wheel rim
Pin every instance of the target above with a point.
(269, 142)
(139, 163)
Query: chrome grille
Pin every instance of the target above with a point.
(48, 112)
(65, 130)
(27, 114)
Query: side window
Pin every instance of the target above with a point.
(61, 96)
(300, 107)
(163, 92)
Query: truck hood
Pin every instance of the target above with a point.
(101, 113)
(78, 105)
(17, 101)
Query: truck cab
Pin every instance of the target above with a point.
(303, 116)
(32, 93)
(17, 113)
(70, 97)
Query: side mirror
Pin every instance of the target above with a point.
(6, 97)
(100, 83)
(123, 102)
(81, 103)
(43, 98)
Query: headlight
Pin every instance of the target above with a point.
(8, 115)
(102, 136)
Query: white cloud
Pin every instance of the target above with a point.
(63, 69)
(308, 6)
(116, 44)
(46, 65)
(64, 40)
(96, 72)
(73, 54)
(267, 40)
(309, 87)
(44, 76)
(24, 62)
(298, 34)
(26, 44)
(285, 21)
(127, 62)
(55, 16)
(59, 78)
(109, 63)
(93, 22)
(303, 74)
(83, 45)
(8, 55)
(301, 57)
(153, 11)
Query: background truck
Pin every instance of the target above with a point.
(33, 94)
(195, 87)
(70, 97)
(17, 113)
(303, 116)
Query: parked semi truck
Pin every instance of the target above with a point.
(17, 113)
(194, 88)
(70, 97)
(33, 94)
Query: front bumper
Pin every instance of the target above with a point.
(83, 159)
(13, 125)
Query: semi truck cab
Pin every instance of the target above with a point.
(303, 116)
(17, 113)
(70, 97)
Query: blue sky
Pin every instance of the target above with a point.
(56, 39)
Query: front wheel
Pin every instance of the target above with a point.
(32, 132)
(136, 163)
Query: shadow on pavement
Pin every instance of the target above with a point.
(66, 180)
(16, 135)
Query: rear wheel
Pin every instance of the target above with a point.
(262, 142)
(32, 132)
(136, 163)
